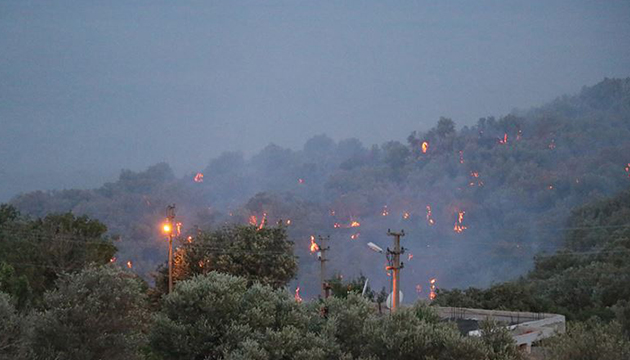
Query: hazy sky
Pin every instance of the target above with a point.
(90, 87)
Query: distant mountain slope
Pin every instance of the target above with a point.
(476, 203)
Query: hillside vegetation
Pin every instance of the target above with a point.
(499, 192)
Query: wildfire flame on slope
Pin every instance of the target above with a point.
(198, 178)
(385, 211)
(432, 294)
(253, 220)
(459, 228)
(314, 246)
(504, 140)
(297, 296)
(430, 220)
(425, 147)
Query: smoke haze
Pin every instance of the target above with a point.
(89, 88)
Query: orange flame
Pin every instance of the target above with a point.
(385, 212)
(355, 236)
(628, 169)
(301, 181)
(432, 294)
(129, 264)
(198, 178)
(112, 260)
(459, 228)
(314, 246)
(297, 296)
(409, 257)
(200, 263)
(406, 215)
(425, 147)
(352, 224)
(430, 220)
(253, 220)
(189, 239)
(288, 221)
(504, 140)
(178, 227)
(475, 175)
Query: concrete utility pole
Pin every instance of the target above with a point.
(321, 256)
(393, 258)
(170, 216)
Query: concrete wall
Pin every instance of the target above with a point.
(525, 327)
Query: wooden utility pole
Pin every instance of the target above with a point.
(393, 257)
(170, 216)
(321, 256)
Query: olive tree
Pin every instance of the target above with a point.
(98, 313)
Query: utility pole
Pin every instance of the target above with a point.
(393, 258)
(170, 216)
(321, 256)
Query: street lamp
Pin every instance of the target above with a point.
(168, 230)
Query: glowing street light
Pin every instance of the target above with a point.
(167, 228)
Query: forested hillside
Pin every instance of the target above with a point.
(589, 276)
(475, 202)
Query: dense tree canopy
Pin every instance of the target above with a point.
(218, 316)
(34, 251)
(259, 253)
(99, 313)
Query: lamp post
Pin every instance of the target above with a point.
(168, 230)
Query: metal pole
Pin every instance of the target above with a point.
(395, 267)
(322, 270)
(170, 214)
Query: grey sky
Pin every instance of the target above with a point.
(90, 87)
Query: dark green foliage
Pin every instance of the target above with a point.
(591, 340)
(514, 296)
(589, 277)
(342, 289)
(98, 313)
(258, 254)
(214, 315)
(36, 251)
(218, 316)
(14, 285)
